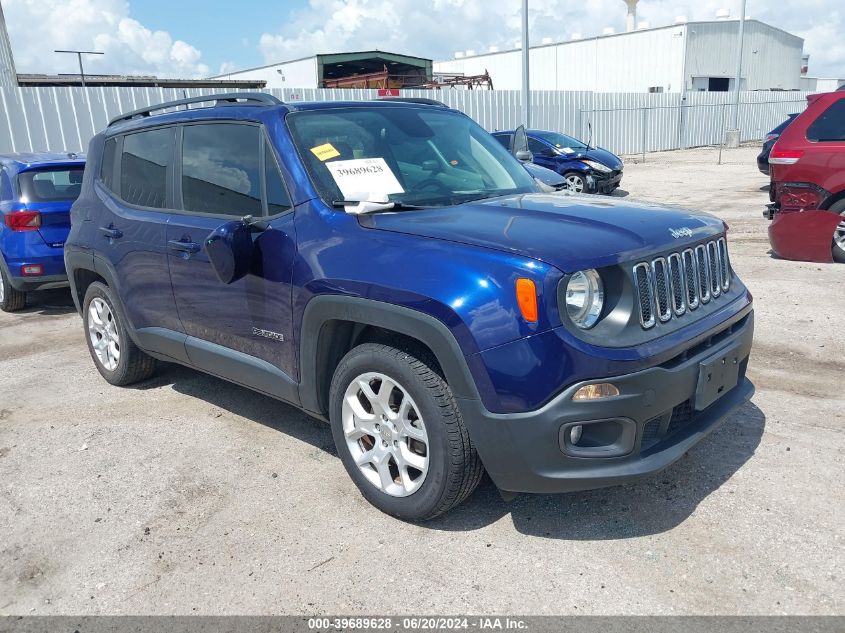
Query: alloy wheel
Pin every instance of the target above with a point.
(839, 233)
(574, 184)
(385, 434)
(102, 331)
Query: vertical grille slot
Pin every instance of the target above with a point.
(713, 270)
(724, 268)
(661, 289)
(642, 276)
(669, 286)
(678, 284)
(702, 273)
(691, 278)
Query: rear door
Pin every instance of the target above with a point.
(227, 170)
(135, 190)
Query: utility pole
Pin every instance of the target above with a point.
(79, 55)
(738, 80)
(526, 91)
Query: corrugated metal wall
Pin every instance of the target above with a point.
(8, 77)
(64, 119)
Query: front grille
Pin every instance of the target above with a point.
(670, 286)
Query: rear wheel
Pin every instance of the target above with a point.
(11, 299)
(400, 434)
(839, 233)
(576, 183)
(116, 357)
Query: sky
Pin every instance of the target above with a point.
(199, 38)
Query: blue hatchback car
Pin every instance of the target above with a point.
(36, 193)
(390, 268)
(586, 169)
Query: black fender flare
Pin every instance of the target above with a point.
(412, 323)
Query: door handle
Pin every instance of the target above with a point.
(183, 247)
(111, 232)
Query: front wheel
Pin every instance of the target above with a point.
(576, 183)
(400, 434)
(839, 233)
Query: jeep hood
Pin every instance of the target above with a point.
(570, 232)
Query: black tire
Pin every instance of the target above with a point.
(133, 365)
(454, 468)
(838, 251)
(576, 183)
(12, 299)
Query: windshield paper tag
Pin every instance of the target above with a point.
(325, 152)
(368, 176)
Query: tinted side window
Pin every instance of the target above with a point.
(143, 167)
(5, 186)
(538, 148)
(505, 140)
(830, 126)
(220, 169)
(107, 166)
(277, 196)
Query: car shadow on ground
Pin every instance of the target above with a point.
(654, 505)
(619, 193)
(244, 402)
(49, 302)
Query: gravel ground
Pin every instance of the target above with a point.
(190, 495)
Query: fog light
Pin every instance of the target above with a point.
(596, 391)
(32, 270)
(575, 434)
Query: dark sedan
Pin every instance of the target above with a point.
(769, 142)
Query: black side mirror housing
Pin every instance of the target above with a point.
(230, 249)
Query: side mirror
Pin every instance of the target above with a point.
(524, 156)
(230, 249)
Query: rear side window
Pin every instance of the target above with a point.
(47, 185)
(830, 126)
(143, 167)
(5, 186)
(107, 165)
(505, 140)
(221, 170)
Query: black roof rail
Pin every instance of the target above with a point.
(419, 100)
(229, 98)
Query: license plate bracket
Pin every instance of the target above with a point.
(717, 375)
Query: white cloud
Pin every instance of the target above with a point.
(437, 28)
(37, 27)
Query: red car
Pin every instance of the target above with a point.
(808, 183)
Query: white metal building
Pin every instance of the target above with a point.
(8, 77)
(319, 70)
(684, 56)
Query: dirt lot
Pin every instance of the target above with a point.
(190, 495)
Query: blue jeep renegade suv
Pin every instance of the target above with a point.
(390, 268)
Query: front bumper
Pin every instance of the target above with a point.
(607, 183)
(527, 452)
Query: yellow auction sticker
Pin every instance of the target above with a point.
(325, 152)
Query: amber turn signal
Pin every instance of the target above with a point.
(526, 298)
(596, 392)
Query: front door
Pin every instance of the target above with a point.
(227, 171)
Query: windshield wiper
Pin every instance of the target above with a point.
(372, 206)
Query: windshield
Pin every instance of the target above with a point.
(48, 185)
(560, 141)
(416, 156)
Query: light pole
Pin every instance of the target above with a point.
(526, 93)
(738, 79)
(79, 55)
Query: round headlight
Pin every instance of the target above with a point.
(584, 298)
